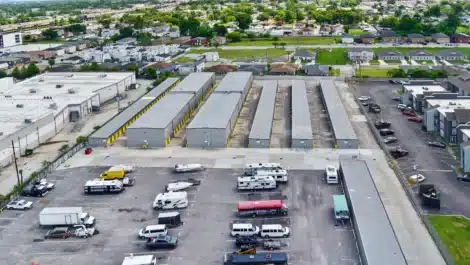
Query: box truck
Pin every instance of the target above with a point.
(68, 216)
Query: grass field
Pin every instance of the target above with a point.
(183, 60)
(454, 232)
(425, 62)
(355, 31)
(459, 62)
(374, 62)
(286, 40)
(393, 62)
(331, 56)
(233, 54)
(372, 72)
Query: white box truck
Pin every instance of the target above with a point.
(65, 216)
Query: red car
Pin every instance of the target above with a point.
(409, 113)
(416, 119)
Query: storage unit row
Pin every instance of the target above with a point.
(302, 135)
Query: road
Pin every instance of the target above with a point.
(340, 45)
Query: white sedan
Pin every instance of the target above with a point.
(363, 98)
(188, 168)
(19, 205)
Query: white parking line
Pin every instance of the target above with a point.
(148, 253)
(8, 218)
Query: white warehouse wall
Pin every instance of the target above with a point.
(9, 39)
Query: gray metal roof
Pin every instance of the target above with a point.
(374, 230)
(163, 112)
(301, 124)
(235, 82)
(342, 127)
(194, 82)
(263, 121)
(162, 87)
(119, 120)
(216, 112)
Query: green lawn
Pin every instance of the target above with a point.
(462, 29)
(454, 232)
(393, 62)
(425, 62)
(287, 40)
(459, 62)
(331, 56)
(234, 54)
(372, 72)
(183, 60)
(355, 31)
(374, 62)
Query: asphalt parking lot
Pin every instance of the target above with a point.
(434, 163)
(204, 236)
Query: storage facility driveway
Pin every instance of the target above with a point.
(434, 163)
(204, 237)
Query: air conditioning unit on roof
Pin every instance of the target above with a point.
(27, 120)
(32, 91)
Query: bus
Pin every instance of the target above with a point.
(250, 169)
(262, 208)
(340, 209)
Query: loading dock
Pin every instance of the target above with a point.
(302, 135)
(260, 133)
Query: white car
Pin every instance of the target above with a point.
(418, 178)
(126, 168)
(363, 98)
(188, 168)
(45, 183)
(182, 184)
(19, 205)
(84, 232)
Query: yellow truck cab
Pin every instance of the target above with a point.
(115, 174)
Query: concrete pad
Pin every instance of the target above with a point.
(446, 62)
(404, 62)
(413, 62)
(382, 62)
(435, 62)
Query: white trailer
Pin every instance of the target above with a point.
(256, 183)
(65, 216)
(279, 175)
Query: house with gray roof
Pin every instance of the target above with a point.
(450, 55)
(315, 69)
(347, 39)
(360, 54)
(389, 36)
(460, 85)
(390, 56)
(420, 55)
(256, 69)
(304, 55)
(415, 38)
(440, 38)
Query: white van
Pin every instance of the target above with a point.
(331, 174)
(274, 231)
(171, 200)
(250, 169)
(256, 183)
(279, 175)
(244, 230)
(151, 231)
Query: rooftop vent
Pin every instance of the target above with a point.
(58, 86)
(41, 79)
(425, 88)
(103, 75)
(72, 91)
(53, 106)
(70, 75)
(47, 97)
(452, 103)
(28, 121)
(20, 106)
(7, 96)
(1, 133)
(32, 91)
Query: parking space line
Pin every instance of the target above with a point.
(149, 253)
(9, 218)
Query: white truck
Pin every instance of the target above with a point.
(140, 260)
(65, 216)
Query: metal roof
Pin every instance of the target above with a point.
(301, 124)
(162, 87)
(374, 231)
(235, 82)
(339, 119)
(163, 112)
(216, 112)
(194, 82)
(263, 121)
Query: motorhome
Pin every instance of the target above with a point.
(279, 175)
(103, 186)
(171, 200)
(250, 169)
(256, 183)
(331, 174)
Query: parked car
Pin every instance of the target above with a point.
(363, 98)
(390, 139)
(19, 205)
(401, 106)
(34, 190)
(437, 144)
(58, 232)
(409, 113)
(162, 241)
(417, 119)
(45, 183)
(382, 124)
(375, 108)
(416, 179)
(396, 98)
(398, 152)
(465, 177)
(385, 132)
(179, 185)
(393, 81)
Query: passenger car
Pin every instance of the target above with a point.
(363, 98)
(162, 242)
(396, 98)
(390, 139)
(182, 184)
(398, 152)
(247, 241)
(58, 232)
(437, 144)
(188, 168)
(416, 119)
(384, 132)
(45, 183)
(418, 178)
(382, 124)
(408, 113)
(19, 205)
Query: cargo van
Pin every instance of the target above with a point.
(115, 174)
(244, 230)
(152, 231)
(274, 231)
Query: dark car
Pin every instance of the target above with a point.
(393, 81)
(250, 241)
(396, 98)
(58, 232)
(385, 132)
(34, 190)
(375, 108)
(162, 241)
(390, 140)
(437, 144)
(465, 178)
(398, 152)
(382, 124)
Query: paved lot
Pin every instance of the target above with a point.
(322, 133)
(204, 237)
(435, 164)
(281, 131)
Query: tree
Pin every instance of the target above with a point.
(263, 17)
(50, 34)
(397, 73)
(51, 62)
(234, 36)
(205, 31)
(76, 28)
(189, 26)
(151, 73)
(126, 32)
(220, 30)
(31, 70)
(243, 20)
(133, 68)
(3, 74)
(144, 39)
(16, 73)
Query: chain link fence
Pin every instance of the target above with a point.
(412, 196)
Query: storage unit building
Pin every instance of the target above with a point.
(302, 135)
(235, 82)
(260, 133)
(164, 119)
(375, 237)
(196, 83)
(344, 133)
(213, 124)
(117, 126)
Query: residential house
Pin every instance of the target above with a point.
(127, 41)
(415, 38)
(211, 56)
(256, 68)
(70, 48)
(315, 69)
(420, 55)
(305, 32)
(440, 38)
(220, 40)
(283, 69)
(58, 51)
(196, 66)
(199, 41)
(459, 85)
(223, 68)
(367, 38)
(163, 67)
(389, 36)
(73, 60)
(414, 94)
(82, 45)
(360, 54)
(450, 55)
(12, 61)
(304, 55)
(162, 57)
(347, 39)
(461, 38)
(173, 33)
(390, 56)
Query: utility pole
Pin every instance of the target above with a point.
(16, 164)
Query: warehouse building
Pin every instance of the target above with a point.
(302, 135)
(235, 82)
(117, 126)
(344, 133)
(260, 133)
(164, 119)
(196, 83)
(212, 126)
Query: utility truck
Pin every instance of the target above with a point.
(65, 216)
